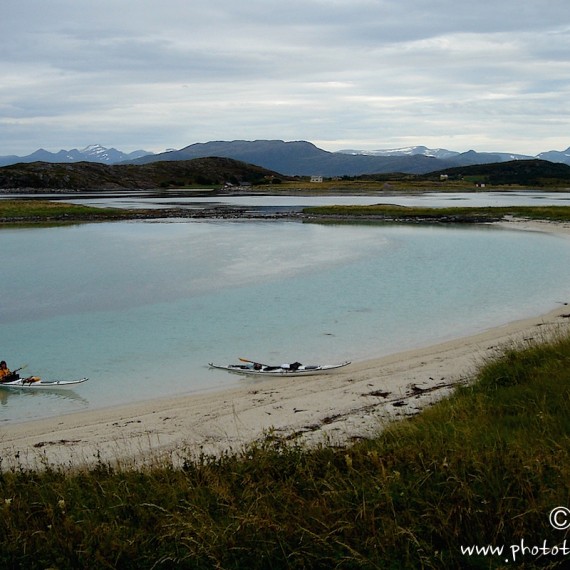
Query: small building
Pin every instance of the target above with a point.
(316, 178)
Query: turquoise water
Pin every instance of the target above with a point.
(141, 307)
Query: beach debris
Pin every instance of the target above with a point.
(379, 393)
(60, 442)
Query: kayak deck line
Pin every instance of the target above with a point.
(23, 383)
(266, 370)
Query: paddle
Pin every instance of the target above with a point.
(258, 365)
(253, 362)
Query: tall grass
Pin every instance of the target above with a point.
(483, 467)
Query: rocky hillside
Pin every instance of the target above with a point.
(522, 172)
(93, 176)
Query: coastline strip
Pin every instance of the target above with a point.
(334, 409)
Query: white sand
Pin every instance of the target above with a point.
(336, 408)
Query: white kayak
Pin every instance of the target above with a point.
(284, 370)
(36, 383)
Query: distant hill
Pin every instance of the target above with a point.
(459, 158)
(533, 172)
(556, 156)
(91, 153)
(406, 151)
(94, 176)
(301, 158)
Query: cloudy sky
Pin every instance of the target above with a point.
(362, 74)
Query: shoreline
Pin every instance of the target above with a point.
(332, 409)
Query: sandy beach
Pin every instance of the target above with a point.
(333, 409)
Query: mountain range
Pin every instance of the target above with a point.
(91, 153)
(296, 158)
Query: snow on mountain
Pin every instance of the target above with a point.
(91, 153)
(556, 155)
(469, 157)
(97, 150)
(297, 157)
(98, 153)
(406, 151)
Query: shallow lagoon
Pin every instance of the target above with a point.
(259, 203)
(141, 307)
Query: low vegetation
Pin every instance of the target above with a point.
(481, 469)
(44, 211)
(33, 211)
(391, 212)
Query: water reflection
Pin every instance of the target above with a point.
(7, 394)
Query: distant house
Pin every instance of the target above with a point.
(443, 177)
(316, 178)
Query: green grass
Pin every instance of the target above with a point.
(483, 467)
(389, 211)
(43, 210)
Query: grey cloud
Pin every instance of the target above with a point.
(372, 72)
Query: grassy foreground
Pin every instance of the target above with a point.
(480, 470)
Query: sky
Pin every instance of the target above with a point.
(342, 74)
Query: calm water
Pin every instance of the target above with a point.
(141, 307)
(259, 203)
